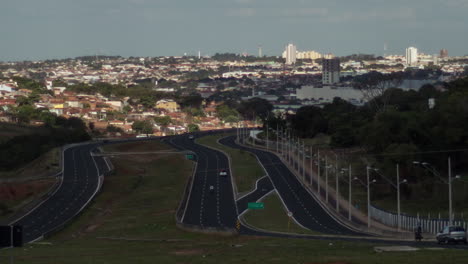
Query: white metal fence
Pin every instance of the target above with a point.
(408, 222)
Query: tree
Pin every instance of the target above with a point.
(163, 120)
(309, 121)
(193, 128)
(144, 127)
(224, 111)
(255, 107)
(373, 86)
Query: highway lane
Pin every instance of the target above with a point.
(80, 179)
(205, 208)
(306, 210)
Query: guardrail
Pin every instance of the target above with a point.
(409, 222)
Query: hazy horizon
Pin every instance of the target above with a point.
(58, 29)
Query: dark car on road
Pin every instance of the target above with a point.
(451, 234)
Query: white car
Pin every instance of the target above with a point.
(211, 189)
(223, 173)
(191, 136)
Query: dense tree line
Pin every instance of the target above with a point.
(407, 129)
(20, 150)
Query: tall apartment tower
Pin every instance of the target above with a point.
(330, 71)
(290, 53)
(411, 56)
(443, 53)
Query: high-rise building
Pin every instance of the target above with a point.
(290, 54)
(312, 55)
(330, 71)
(443, 53)
(411, 56)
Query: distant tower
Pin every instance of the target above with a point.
(199, 55)
(290, 53)
(260, 51)
(443, 53)
(411, 56)
(330, 71)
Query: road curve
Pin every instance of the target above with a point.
(80, 181)
(207, 209)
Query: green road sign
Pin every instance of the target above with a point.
(190, 156)
(256, 205)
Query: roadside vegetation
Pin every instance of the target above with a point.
(395, 127)
(245, 167)
(132, 221)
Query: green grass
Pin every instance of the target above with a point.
(138, 202)
(274, 217)
(245, 168)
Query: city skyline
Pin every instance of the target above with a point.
(53, 29)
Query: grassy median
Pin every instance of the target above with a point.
(245, 167)
(274, 217)
(132, 221)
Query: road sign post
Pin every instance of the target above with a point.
(256, 205)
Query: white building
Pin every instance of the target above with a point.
(290, 54)
(411, 56)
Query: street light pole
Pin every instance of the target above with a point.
(303, 162)
(337, 184)
(277, 138)
(318, 173)
(368, 199)
(398, 195)
(450, 191)
(350, 197)
(326, 179)
(311, 166)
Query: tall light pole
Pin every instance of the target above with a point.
(318, 173)
(368, 195)
(448, 182)
(350, 204)
(277, 138)
(326, 178)
(396, 186)
(398, 194)
(337, 184)
(303, 162)
(311, 166)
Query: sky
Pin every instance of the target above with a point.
(53, 29)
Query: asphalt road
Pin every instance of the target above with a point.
(207, 209)
(80, 179)
(306, 210)
(262, 187)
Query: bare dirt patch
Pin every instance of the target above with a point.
(17, 191)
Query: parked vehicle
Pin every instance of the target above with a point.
(211, 189)
(451, 234)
